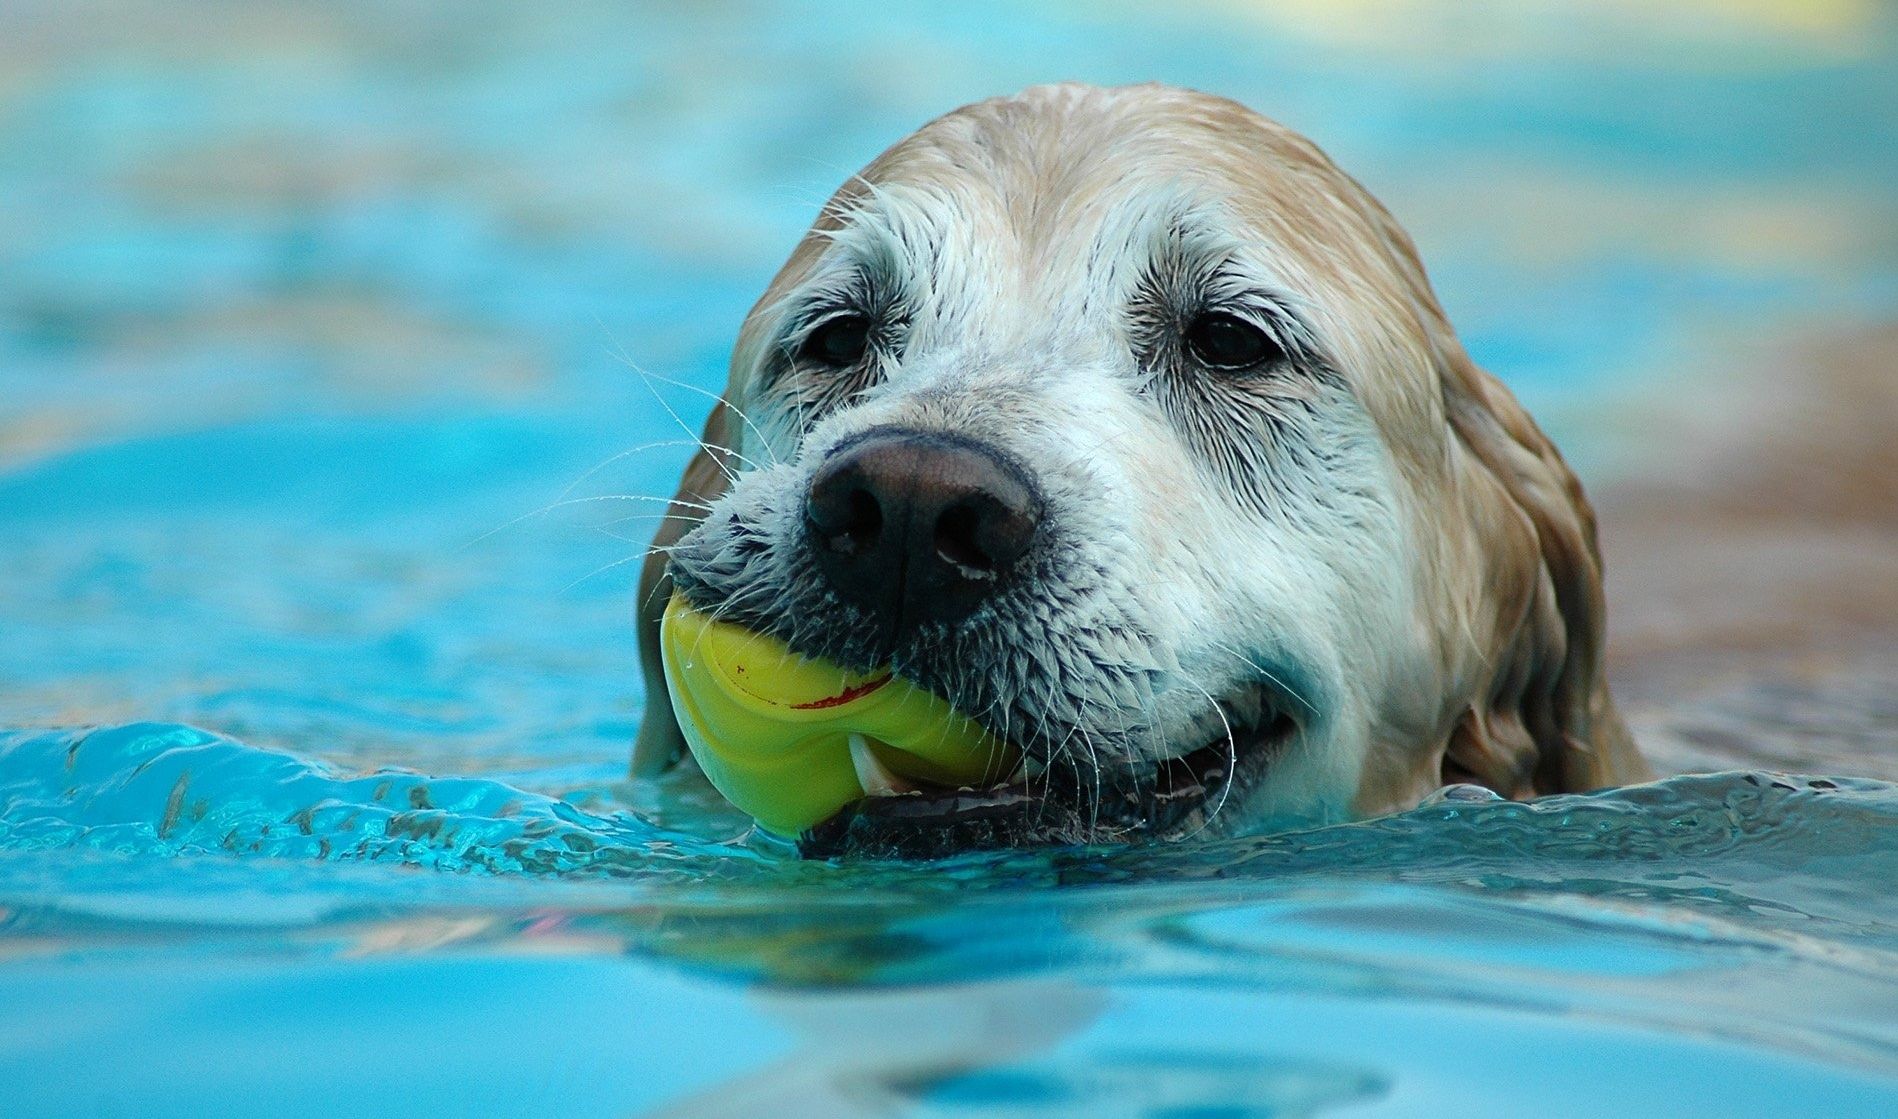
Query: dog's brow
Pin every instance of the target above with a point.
(1179, 238)
(1185, 257)
(878, 262)
(891, 231)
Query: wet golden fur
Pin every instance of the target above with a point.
(1495, 673)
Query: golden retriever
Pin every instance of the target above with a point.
(1128, 423)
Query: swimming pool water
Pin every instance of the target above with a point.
(340, 347)
(214, 920)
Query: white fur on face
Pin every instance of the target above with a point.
(1307, 535)
(1031, 346)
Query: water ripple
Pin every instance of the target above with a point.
(149, 788)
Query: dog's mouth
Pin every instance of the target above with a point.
(906, 817)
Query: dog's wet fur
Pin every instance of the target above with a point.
(1311, 587)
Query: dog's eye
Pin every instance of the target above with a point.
(838, 343)
(1226, 341)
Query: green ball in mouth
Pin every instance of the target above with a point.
(790, 740)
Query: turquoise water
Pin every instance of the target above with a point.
(332, 341)
(200, 921)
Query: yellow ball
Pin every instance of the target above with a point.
(775, 731)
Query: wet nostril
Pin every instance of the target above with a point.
(957, 541)
(845, 518)
(865, 524)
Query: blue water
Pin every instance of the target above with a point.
(337, 351)
(201, 920)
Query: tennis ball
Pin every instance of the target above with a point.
(790, 739)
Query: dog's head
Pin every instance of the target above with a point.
(1129, 424)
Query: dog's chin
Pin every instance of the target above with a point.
(1063, 804)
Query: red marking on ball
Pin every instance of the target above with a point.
(844, 696)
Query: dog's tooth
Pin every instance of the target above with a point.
(872, 774)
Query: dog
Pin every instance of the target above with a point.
(1129, 424)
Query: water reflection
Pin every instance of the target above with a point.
(869, 1053)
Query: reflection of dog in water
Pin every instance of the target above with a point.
(862, 1054)
(1126, 422)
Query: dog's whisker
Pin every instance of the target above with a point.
(716, 397)
(642, 518)
(1273, 678)
(717, 454)
(566, 502)
(1207, 816)
(626, 454)
(637, 557)
(606, 531)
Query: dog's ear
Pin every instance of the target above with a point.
(1540, 719)
(706, 478)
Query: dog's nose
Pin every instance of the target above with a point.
(916, 527)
